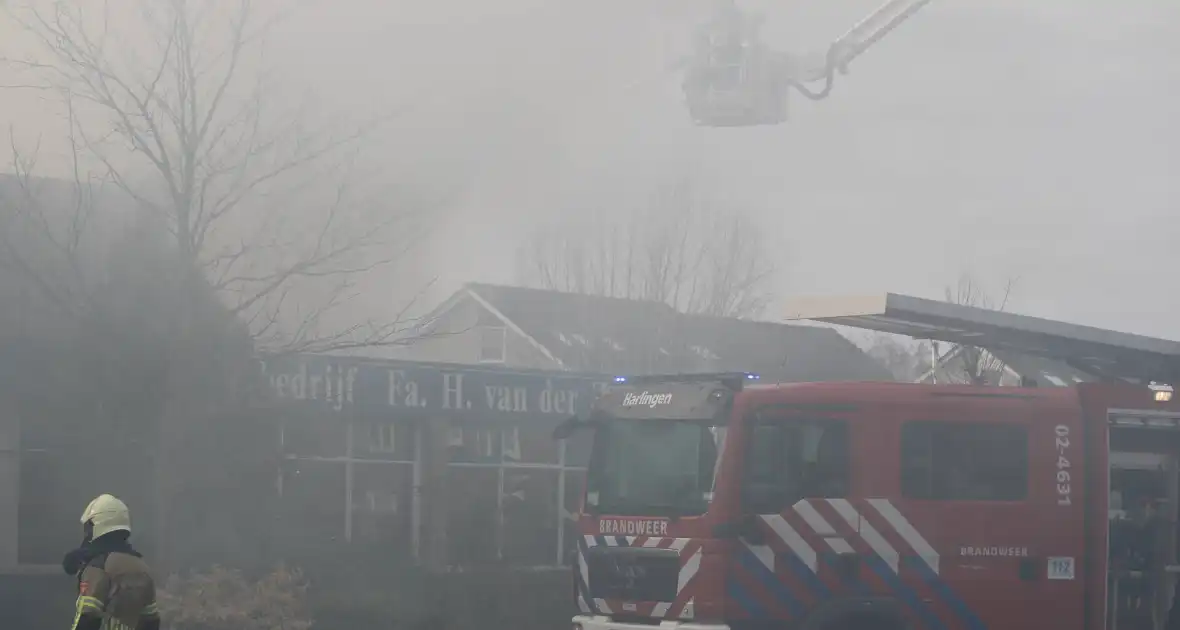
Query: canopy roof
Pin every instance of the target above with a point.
(1112, 355)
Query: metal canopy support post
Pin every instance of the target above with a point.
(561, 520)
(10, 457)
(348, 477)
(416, 497)
(1112, 355)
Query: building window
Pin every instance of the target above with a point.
(381, 504)
(473, 515)
(312, 503)
(573, 491)
(955, 461)
(510, 445)
(470, 445)
(790, 460)
(382, 438)
(510, 498)
(492, 344)
(529, 517)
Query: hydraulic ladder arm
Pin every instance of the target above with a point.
(849, 46)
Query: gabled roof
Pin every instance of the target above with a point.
(784, 352)
(612, 335)
(592, 333)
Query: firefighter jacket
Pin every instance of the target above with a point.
(116, 591)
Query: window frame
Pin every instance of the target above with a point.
(763, 419)
(382, 438)
(903, 469)
(483, 330)
(354, 502)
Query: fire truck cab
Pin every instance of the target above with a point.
(713, 503)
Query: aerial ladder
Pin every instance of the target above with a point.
(734, 80)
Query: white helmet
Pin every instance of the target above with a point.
(107, 514)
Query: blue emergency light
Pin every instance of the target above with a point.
(671, 378)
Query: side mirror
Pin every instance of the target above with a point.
(572, 425)
(566, 428)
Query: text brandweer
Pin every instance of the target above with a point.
(632, 528)
(997, 552)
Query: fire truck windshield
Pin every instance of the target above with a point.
(653, 467)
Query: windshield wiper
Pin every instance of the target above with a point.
(684, 500)
(643, 508)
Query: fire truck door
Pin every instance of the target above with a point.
(1143, 497)
(994, 494)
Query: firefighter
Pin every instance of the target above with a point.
(115, 586)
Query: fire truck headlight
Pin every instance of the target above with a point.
(1161, 391)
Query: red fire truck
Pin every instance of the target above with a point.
(714, 502)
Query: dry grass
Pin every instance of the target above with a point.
(224, 599)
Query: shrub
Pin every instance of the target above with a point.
(224, 599)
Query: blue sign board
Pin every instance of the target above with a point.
(406, 388)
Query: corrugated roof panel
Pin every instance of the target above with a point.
(1107, 353)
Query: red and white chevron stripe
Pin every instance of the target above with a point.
(881, 527)
(840, 525)
(690, 553)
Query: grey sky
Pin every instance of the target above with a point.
(992, 136)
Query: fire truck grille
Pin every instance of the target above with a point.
(634, 574)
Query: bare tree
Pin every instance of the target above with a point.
(206, 215)
(174, 107)
(683, 249)
(972, 364)
(907, 362)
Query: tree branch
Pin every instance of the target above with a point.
(713, 267)
(979, 367)
(233, 179)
